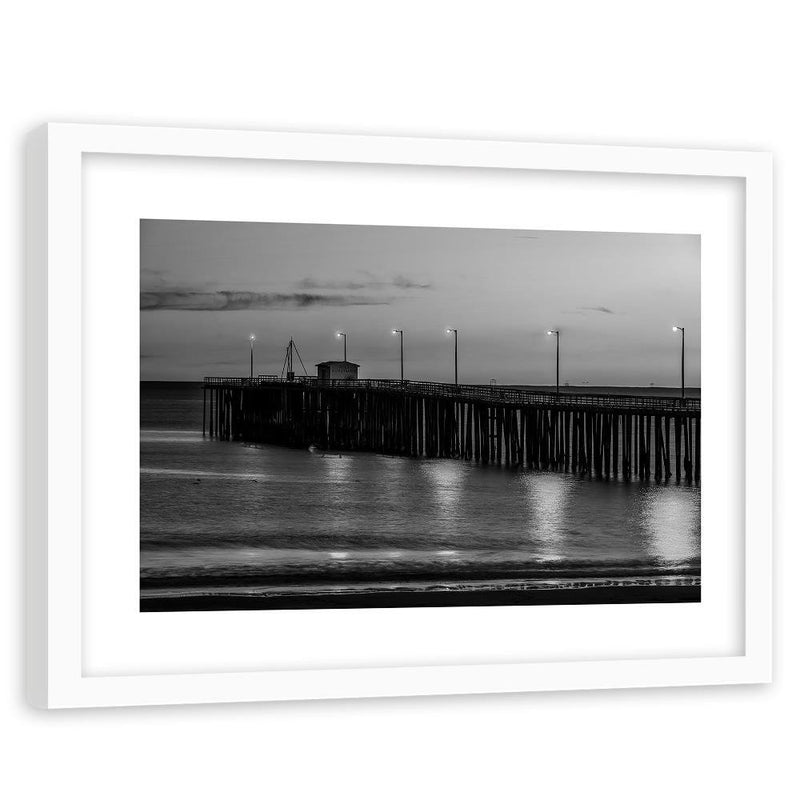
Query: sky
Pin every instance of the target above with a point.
(207, 286)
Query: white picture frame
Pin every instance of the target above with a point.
(56, 425)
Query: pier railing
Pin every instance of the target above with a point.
(493, 394)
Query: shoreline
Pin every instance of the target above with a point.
(593, 595)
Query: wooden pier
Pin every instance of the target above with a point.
(603, 436)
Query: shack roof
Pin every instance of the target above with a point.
(337, 364)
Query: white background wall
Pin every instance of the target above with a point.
(683, 73)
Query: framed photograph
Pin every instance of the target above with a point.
(317, 416)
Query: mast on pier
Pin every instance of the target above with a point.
(288, 361)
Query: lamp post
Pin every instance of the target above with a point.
(252, 339)
(343, 335)
(395, 332)
(454, 331)
(557, 334)
(675, 329)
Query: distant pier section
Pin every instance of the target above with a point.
(626, 436)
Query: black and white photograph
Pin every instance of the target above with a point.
(346, 416)
(356, 355)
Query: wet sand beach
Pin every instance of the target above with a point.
(596, 595)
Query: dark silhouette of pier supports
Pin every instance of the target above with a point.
(589, 435)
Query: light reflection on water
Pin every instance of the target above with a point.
(669, 519)
(548, 498)
(336, 472)
(446, 480)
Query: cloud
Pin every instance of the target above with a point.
(599, 309)
(312, 284)
(181, 300)
(399, 282)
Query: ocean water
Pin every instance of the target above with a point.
(267, 521)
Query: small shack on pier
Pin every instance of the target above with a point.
(337, 371)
